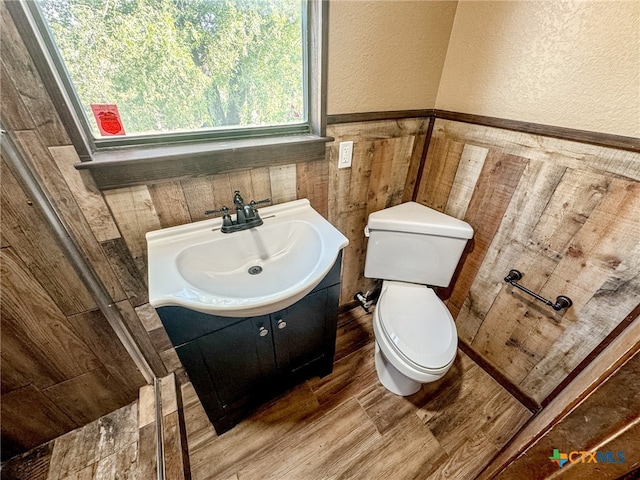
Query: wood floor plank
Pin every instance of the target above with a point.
(471, 404)
(253, 438)
(320, 450)
(350, 376)
(459, 466)
(355, 330)
(409, 452)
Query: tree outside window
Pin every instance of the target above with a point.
(184, 65)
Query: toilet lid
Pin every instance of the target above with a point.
(418, 324)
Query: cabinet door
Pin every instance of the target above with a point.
(193, 361)
(300, 333)
(240, 359)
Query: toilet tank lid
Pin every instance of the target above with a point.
(411, 217)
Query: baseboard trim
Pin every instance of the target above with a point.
(519, 395)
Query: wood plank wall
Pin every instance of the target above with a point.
(62, 365)
(567, 215)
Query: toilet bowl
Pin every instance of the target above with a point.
(416, 337)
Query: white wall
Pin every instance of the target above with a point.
(573, 64)
(386, 54)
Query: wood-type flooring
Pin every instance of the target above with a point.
(347, 426)
(343, 426)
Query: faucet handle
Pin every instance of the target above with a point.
(224, 210)
(253, 203)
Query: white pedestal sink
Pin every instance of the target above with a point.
(247, 273)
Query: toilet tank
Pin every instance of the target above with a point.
(414, 243)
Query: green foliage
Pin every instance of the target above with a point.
(184, 64)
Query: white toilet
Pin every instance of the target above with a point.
(411, 248)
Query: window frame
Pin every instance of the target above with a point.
(136, 160)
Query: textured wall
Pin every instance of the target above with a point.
(573, 64)
(386, 55)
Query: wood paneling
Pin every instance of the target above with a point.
(58, 372)
(496, 184)
(26, 83)
(29, 419)
(131, 280)
(176, 461)
(563, 213)
(135, 215)
(105, 448)
(51, 350)
(383, 154)
(38, 155)
(147, 433)
(312, 182)
(62, 365)
(594, 138)
(24, 228)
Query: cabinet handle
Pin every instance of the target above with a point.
(281, 324)
(263, 332)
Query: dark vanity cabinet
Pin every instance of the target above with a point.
(236, 363)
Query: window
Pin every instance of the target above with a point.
(185, 77)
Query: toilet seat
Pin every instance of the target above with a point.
(418, 327)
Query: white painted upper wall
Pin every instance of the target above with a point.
(573, 64)
(386, 54)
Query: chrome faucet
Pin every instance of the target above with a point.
(246, 214)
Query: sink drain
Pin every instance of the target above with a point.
(255, 270)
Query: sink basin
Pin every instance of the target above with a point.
(247, 273)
